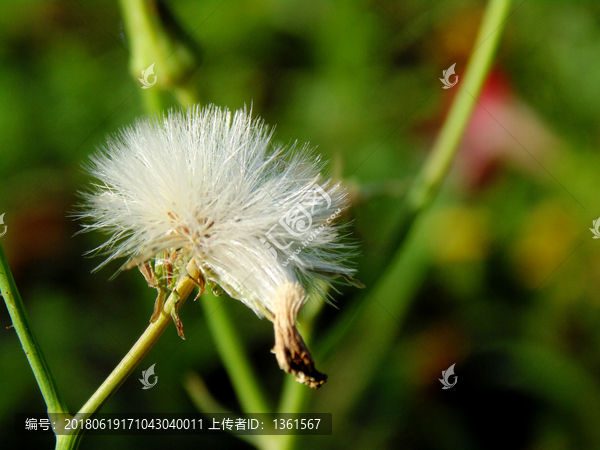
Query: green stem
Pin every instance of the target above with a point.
(201, 396)
(67, 441)
(153, 42)
(436, 167)
(231, 351)
(128, 364)
(206, 403)
(33, 351)
(367, 330)
(373, 328)
(429, 180)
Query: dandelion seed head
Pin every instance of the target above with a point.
(212, 185)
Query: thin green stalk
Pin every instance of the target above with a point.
(368, 329)
(151, 42)
(31, 347)
(438, 163)
(68, 441)
(154, 41)
(128, 364)
(206, 403)
(139, 350)
(230, 349)
(436, 167)
(433, 172)
(360, 352)
(201, 396)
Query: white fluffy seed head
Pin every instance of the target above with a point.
(253, 215)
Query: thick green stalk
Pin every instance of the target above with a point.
(152, 41)
(31, 347)
(233, 355)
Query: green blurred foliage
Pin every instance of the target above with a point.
(503, 275)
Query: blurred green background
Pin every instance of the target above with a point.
(501, 276)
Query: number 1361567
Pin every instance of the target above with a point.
(296, 424)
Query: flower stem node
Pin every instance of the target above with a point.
(290, 350)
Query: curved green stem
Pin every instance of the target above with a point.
(127, 365)
(31, 347)
(366, 329)
(436, 167)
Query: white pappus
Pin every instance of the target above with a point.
(255, 217)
